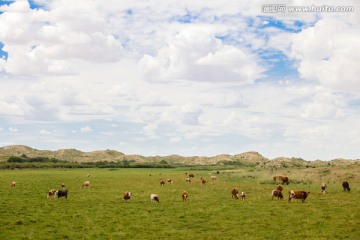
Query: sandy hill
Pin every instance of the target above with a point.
(244, 159)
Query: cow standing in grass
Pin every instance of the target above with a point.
(162, 183)
(13, 184)
(235, 193)
(85, 184)
(346, 186)
(298, 195)
(62, 193)
(243, 195)
(277, 193)
(323, 188)
(127, 196)
(52, 193)
(154, 198)
(184, 196)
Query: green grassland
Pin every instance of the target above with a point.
(99, 212)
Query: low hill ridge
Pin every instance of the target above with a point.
(244, 159)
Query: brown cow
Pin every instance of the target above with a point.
(203, 181)
(277, 193)
(85, 184)
(52, 193)
(298, 195)
(279, 187)
(184, 195)
(162, 183)
(323, 188)
(235, 193)
(188, 180)
(127, 196)
(283, 179)
(191, 175)
(13, 184)
(170, 180)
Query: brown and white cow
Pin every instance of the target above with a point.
(170, 180)
(184, 195)
(323, 188)
(52, 193)
(298, 195)
(127, 196)
(154, 198)
(13, 184)
(214, 178)
(162, 183)
(62, 185)
(346, 186)
(235, 193)
(188, 180)
(242, 196)
(277, 193)
(85, 184)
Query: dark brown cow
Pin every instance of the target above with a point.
(279, 187)
(184, 196)
(298, 195)
(62, 193)
(127, 196)
(346, 186)
(323, 188)
(191, 175)
(277, 193)
(235, 193)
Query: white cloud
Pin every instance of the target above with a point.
(195, 54)
(12, 129)
(86, 129)
(45, 132)
(330, 60)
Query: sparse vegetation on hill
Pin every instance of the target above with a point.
(114, 158)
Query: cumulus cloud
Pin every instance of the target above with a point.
(195, 54)
(330, 60)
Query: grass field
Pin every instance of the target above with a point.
(100, 212)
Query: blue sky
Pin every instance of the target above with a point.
(189, 78)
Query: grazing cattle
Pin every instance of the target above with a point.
(283, 179)
(279, 187)
(127, 196)
(85, 184)
(346, 186)
(217, 172)
(203, 181)
(13, 184)
(188, 180)
(323, 188)
(62, 193)
(162, 183)
(62, 185)
(298, 195)
(88, 175)
(52, 193)
(277, 193)
(214, 178)
(191, 175)
(170, 180)
(235, 193)
(184, 196)
(242, 196)
(154, 198)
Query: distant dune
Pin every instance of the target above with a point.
(244, 159)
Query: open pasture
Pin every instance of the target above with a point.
(100, 212)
